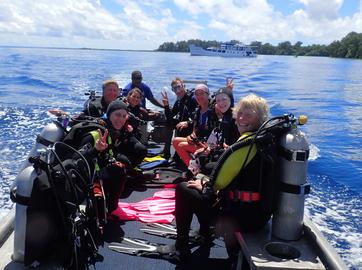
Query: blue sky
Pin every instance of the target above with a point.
(145, 24)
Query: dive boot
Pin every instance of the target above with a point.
(183, 251)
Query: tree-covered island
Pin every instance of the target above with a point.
(349, 47)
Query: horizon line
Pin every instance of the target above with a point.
(75, 48)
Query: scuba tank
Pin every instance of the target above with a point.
(293, 155)
(50, 134)
(22, 187)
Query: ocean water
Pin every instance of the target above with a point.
(327, 90)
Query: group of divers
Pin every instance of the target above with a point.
(200, 126)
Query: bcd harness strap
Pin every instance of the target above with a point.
(43, 141)
(295, 189)
(26, 200)
(293, 155)
(244, 196)
(19, 199)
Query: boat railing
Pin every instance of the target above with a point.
(7, 226)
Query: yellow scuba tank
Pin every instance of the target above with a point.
(23, 185)
(293, 155)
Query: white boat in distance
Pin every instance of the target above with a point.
(225, 50)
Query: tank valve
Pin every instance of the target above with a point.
(302, 119)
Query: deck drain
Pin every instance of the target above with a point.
(282, 250)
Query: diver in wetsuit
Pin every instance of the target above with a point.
(224, 135)
(116, 151)
(179, 117)
(236, 185)
(97, 106)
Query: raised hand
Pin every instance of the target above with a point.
(57, 112)
(229, 83)
(165, 99)
(101, 143)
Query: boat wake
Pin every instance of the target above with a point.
(337, 212)
(313, 152)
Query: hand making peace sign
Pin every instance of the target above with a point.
(165, 99)
(101, 143)
(229, 83)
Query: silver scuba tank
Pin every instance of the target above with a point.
(23, 185)
(50, 134)
(293, 155)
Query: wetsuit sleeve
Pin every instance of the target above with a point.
(168, 112)
(171, 112)
(231, 167)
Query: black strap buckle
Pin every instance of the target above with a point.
(294, 155)
(303, 189)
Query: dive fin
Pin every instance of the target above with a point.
(133, 246)
(139, 247)
(167, 230)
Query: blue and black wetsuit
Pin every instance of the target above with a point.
(204, 123)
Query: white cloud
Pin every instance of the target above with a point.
(319, 10)
(148, 23)
(249, 20)
(187, 30)
(195, 7)
(60, 18)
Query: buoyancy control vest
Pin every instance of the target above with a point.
(80, 128)
(95, 136)
(239, 177)
(48, 219)
(22, 187)
(95, 106)
(256, 187)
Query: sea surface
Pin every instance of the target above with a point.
(327, 90)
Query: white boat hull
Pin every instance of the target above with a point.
(198, 51)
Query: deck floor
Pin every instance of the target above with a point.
(202, 258)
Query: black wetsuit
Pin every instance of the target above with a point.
(182, 110)
(125, 149)
(237, 215)
(229, 135)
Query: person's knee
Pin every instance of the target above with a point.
(142, 150)
(181, 187)
(175, 142)
(183, 146)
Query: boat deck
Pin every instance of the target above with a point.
(201, 258)
(215, 258)
(312, 251)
